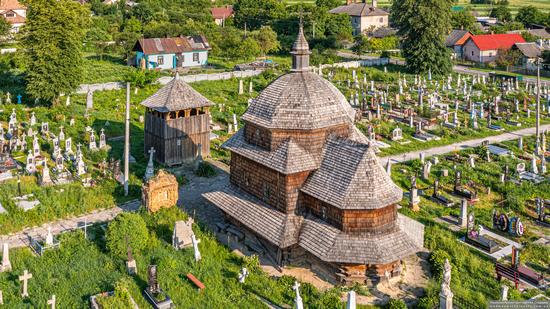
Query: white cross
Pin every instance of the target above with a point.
(25, 277)
(52, 302)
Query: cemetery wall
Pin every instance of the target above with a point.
(275, 189)
(358, 63)
(84, 88)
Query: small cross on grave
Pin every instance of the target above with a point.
(298, 300)
(243, 274)
(51, 302)
(25, 278)
(196, 247)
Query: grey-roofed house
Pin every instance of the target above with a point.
(530, 52)
(456, 40)
(307, 189)
(364, 16)
(177, 123)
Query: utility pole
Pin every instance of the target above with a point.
(537, 133)
(127, 142)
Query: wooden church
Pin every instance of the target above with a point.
(177, 123)
(307, 189)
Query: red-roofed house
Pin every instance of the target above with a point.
(221, 14)
(14, 12)
(485, 47)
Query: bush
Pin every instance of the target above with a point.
(396, 304)
(121, 298)
(127, 229)
(205, 169)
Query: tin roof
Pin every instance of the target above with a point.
(496, 41)
(359, 9)
(10, 5)
(157, 46)
(175, 96)
(222, 12)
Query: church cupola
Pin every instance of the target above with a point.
(300, 52)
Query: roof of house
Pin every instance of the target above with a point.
(529, 50)
(222, 12)
(359, 9)
(16, 19)
(496, 41)
(172, 45)
(350, 177)
(457, 37)
(10, 5)
(175, 96)
(288, 158)
(540, 33)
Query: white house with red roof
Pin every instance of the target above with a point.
(220, 14)
(485, 47)
(14, 12)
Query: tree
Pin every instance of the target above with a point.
(254, 13)
(424, 25)
(5, 28)
(128, 229)
(99, 35)
(362, 45)
(267, 40)
(530, 15)
(463, 20)
(502, 13)
(546, 56)
(52, 40)
(506, 58)
(128, 37)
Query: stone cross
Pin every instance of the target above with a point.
(243, 274)
(1, 298)
(504, 293)
(196, 247)
(534, 168)
(102, 139)
(520, 143)
(298, 300)
(89, 100)
(427, 169)
(68, 101)
(241, 86)
(51, 302)
(472, 162)
(351, 300)
(446, 295)
(6, 264)
(150, 170)
(25, 278)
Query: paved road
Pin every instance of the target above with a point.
(462, 145)
(21, 239)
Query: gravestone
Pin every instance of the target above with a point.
(504, 293)
(351, 304)
(241, 86)
(131, 265)
(51, 302)
(446, 295)
(49, 237)
(534, 168)
(92, 145)
(520, 168)
(426, 170)
(414, 199)
(183, 233)
(243, 274)
(298, 299)
(196, 242)
(102, 139)
(6, 264)
(463, 219)
(89, 100)
(45, 179)
(25, 278)
(150, 170)
(397, 134)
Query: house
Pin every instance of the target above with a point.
(171, 53)
(484, 47)
(14, 12)
(220, 14)
(363, 16)
(530, 52)
(306, 188)
(456, 41)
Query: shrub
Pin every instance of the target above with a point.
(205, 169)
(396, 304)
(121, 298)
(437, 260)
(127, 229)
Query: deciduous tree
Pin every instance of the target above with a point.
(52, 41)
(502, 13)
(530, 15)
(424, 25)
(5, 27)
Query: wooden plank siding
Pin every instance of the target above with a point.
(176, 140)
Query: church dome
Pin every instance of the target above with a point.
(301, 99)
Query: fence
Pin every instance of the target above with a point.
(358, 63)
(165, 79)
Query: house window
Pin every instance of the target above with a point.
(381, 19)
(491, 54)
(160, 60)
(472, 52)
(195, 57)
(10, 15)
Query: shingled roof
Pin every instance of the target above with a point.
(300, 101)
(276, 227)
(10, 5)
(529, 50)
(350, 177)
(332, 245)
(457, 37)
(359, 9)
(288, 158)
(174, 96)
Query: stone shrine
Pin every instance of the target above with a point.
(160, 191)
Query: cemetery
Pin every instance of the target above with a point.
(68, 160)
